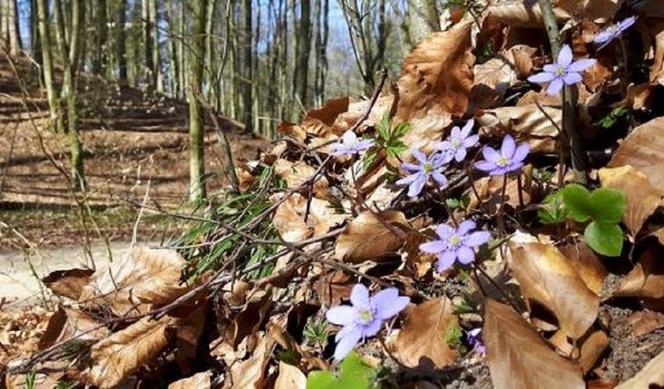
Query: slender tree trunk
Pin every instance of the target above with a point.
(320, 48)
(247, 65)
(302, 50)
(35, 42)
(209, 50)
(148, 73)
(180, 48)
(47, 66)
(100, 58)
(10, 40)
(173, 69)
(422, 19)
(196, 128)
(157, 76)
(120, 45)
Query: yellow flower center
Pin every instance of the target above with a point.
(455, 240)
(456, 143)
(427, 167)
(561, 71)
(366, 315)
(503, 161)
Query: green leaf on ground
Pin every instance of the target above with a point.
(608, 205)
(604, 238)
(578, 202)
(353, 374)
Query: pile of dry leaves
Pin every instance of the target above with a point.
(552, 312)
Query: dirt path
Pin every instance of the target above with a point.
(18, 284)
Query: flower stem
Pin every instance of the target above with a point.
(500, 216)
(500, 289)
(447, 208)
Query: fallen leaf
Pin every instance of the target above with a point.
(642, 198)
(250, 318)
(492, 79)
(652, 375)
(289, 218)
(646, 280)
(490, 191)
(68, 283)
(329, 112)
(547, 277)
(298, 173)
(587, 265)
(526, 13)
(333, 287)
(422, 340)
(592, 349)
(251, 372)
(645, 322)
(290, 377)
(519, 358)
(67, 323)
(367, 238)
(200, 380)
(643, 149)
(118, 356)
(143, 279)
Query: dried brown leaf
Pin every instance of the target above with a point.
(526, 13)
(67, 323)
(200, 380)
(333, 287)
(329, 112)
(652, 375)
(118, 356)
(587, 265)
(519, 358)
(492, 79)
(422, 340)
(290, 377)
(592, 349)
(141, 280)
(367, 238)
(289, 218)
(642, 198)
(357, 109)
(647, 278)
(643, 149)
(547, 277)
(251, 372)
(68, 283)
(645, 322)
(298, 173)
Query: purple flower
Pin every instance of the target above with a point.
(474, 339)
(455, 146)
(508, 159)
(350, 145)
(455, 244)
(365, 317)
(563, 72)
(430, 167)
(610, 33)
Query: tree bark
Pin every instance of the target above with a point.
(196, 128)
(100, 58)
(302, 50)
(47, 65)
(120, 44)
(423, 19)
(247, 66)
(35, 41)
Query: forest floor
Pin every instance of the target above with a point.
(133, 142)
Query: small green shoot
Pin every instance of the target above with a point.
(388, 139)
(353, 373)
(315, 331)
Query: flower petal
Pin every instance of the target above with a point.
(346, 344)
(445, 260)
(550, 68)
(407, 180)
(490, 154)
(572, 78)
(465, 227)
(419, 156)
(555, 86)
(486, 166)
(433, 247)
(477, 238)
(388, 303)
(440, 179)
(471, 141)
(604, 37)
(565, 56)
(627, 23)
(372, 328)
(417, 185)
(521, 152)
(339, 150)
(543, 77)
(359, 296)
(411, 167)
(364, 144)
(340, 315)
(444, 231)
(349, 138)
(460, 155)
(456, 131)
(580, 65)
(508, 146)
(467, 128)
(466, 255)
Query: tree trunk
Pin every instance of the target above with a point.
(148, 73)
(157, 76)
(196, 128)
(320, 48)
(247, 66)
(302, 49)
(100, 58)
(47, 66)
(10, 39)
(422, 19)
(171, 16)
(35, 41)
(120, 45)
(180, 48)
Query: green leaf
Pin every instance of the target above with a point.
(553, 210)
(608, 205)
(604, 238)
(353, 374)
(578, 203)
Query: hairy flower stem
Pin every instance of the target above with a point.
(449, 211)
(520, 188)
(625, 69)
(480, 203)
(570, 95)
(500, 217)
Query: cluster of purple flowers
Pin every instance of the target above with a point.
(455, 244)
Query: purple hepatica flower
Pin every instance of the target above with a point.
(610, 33)
(349, 145)
(454, 147)
(563, 72)
(430, 167)
(455, 244)
(508, 159)
(364, 318)
(473, 337)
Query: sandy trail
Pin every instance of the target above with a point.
(18, 284)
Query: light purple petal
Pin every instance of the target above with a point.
(439, 178)
(445, 231)
(389, 304)
(465, 226)
(627, 23)
(477, 238)
(466, 255)
(407, 180)
(345, 330)
(340, 315)
(433, 247)
(455, 133)
(338, 150)
(521, 152)
(419, 156)
(572, 78)
(445, 261)
(460, 155)
(550, 68)
(411, 167)
(471, 141)
(555, 86)
(541, 78)
(508, 146)
(364, 144)
(359, 296)
(349, 137)
(417, 185)
(514, 166)
(581, 65)
(490, 154)
(604, 36)
(465, 131)
(445, 145)
(372, 328)
(499, 171)
(346, 344)
(565, 56)
(485, 165)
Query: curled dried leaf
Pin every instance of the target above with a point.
(68, 283)
(368, 238)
